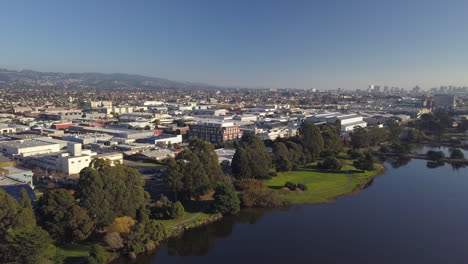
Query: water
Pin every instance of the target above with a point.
(411, 214)
(423, 149)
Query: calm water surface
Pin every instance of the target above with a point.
(411, 214)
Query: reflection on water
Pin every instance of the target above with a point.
(434, 164)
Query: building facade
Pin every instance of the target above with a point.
(215, 132)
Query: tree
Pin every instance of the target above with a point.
(177, 210)
(121, 225)
(251, 160)
(360, 138)
(226, 200)
(283, 164)
(394, 130)
(194, 171)
(114, 240)
(331, 138)
(53, 210)
(312, 139)
(145, 233)
(12, 215)
(93, 197)
(174, 176)
(107, 192)
(377, 135)
(241, 164)
(80, 224)
(457, 154)
(330, 163)
(366, 163)
(25, 201)
(209, 159)
(65, 221)
(28, 245)
(97, 255)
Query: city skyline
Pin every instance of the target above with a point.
(303, 44)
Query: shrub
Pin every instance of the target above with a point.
(245, 184)
(177, 210)
(264, 198)
(121, 225)
(366, 163)
(355, 154)
(290, 185)
(330, 163)
(97, 255)
(301, 186)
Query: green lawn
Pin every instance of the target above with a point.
(322, 185)
(75, 250)
(149, 164)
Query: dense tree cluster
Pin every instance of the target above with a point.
(374, 135)
(194, 171)
(64, 220)
(107, 192)
(251, 160)
(21, 241)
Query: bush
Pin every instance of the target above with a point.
(302, 187)
(165, 209)
(176, 210)
(245, 184)
(330, 163)
(97, 255)
(121, 225)
(290, 185)
(355, 154)
(435, 155)
(384, 149)
(263, 198)
(365, 163)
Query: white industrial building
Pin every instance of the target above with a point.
(167, 139)
(347, 121)
(28, 147)
(71, 161)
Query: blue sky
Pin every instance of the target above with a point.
(251, 43)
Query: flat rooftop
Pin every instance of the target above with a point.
(25, 143)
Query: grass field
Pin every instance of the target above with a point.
(149, 164)
(75, 250)
(322, 185)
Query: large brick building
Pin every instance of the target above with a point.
(214, 132)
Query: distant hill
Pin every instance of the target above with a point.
(101, 80)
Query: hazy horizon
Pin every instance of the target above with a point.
(254, 44)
